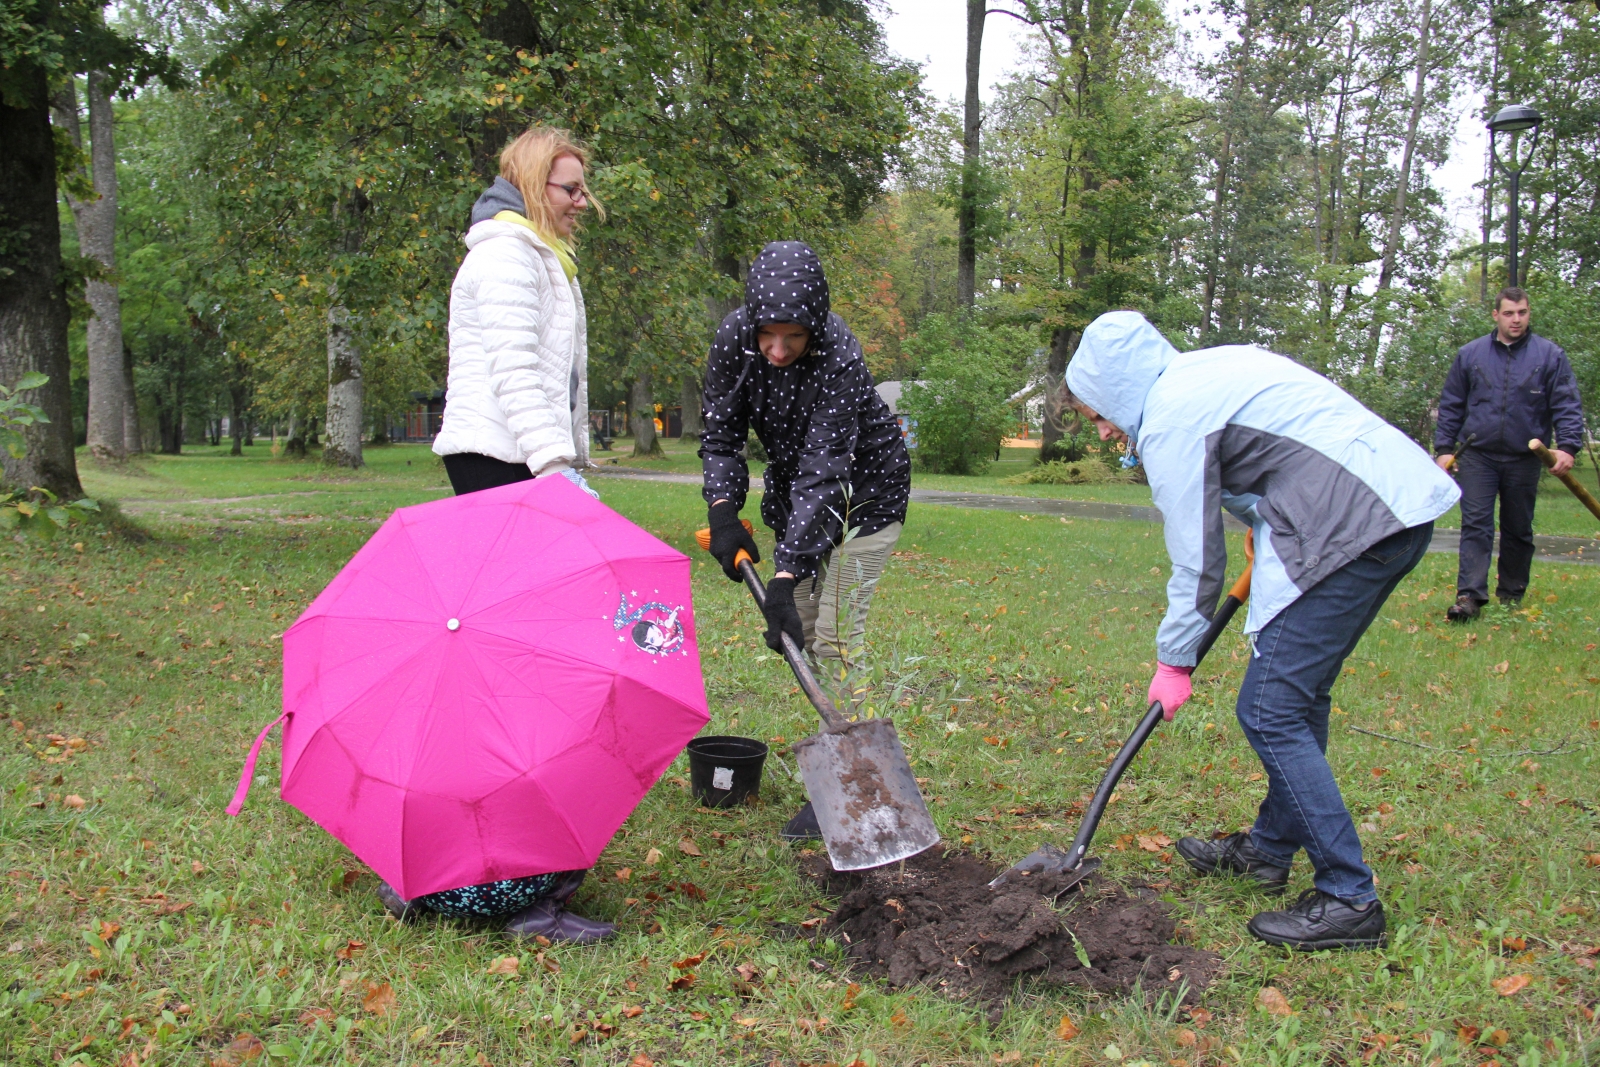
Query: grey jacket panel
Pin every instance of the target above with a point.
(1320, 513)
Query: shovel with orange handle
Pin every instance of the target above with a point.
(1049, 858)
(856, 773)
(1537, 447)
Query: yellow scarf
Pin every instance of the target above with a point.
(562, 249)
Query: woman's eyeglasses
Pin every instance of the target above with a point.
(575, 192)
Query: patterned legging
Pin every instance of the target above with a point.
(490, 900)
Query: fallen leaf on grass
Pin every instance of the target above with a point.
(1186, 1038)
(1154, 842)
(1501, 667)
(1511, 984)
(652, 858)
(688, 961)
(420, 1034)
(1199, 1016)
(348, 879)
(108, 930)
(244, 1047)
(1067, 1029)
(745, 1020)
(313, 1016)
(688, 847)
(899, 1019)
(851, 992)
(1497, 1038)
(1513, 944)
(379, 999)
(1593, 860)
(632, 1011)
(682, 982)
(351, 950)
(1467, 1033)
(510, 965)
(1013, 1056)
(641, 1060)
(809, 924)
(812, 1026)
(175, 907)
(747, 971)
(73, 801)
(624, 873)
(1272, 1001)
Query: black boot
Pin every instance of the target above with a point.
(566, 884)
(1318, 921)
(402, 909)
(546, 917)
(1465, 609)
(804, 825)
(1234, 854)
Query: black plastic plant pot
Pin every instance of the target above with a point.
(724, 771)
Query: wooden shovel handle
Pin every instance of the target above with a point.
(1537, 447)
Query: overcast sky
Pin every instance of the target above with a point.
(933, 32)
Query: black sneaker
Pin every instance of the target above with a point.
(804, 825)
(1318, 921)
(1234, 854)
(1465, 609)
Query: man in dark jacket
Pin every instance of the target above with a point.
(838, 476)
(1502, 391)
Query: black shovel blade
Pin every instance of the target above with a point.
(866, 798)
(1047, 859)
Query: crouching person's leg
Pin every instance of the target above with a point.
(1283, 708)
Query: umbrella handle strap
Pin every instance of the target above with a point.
(249, 773)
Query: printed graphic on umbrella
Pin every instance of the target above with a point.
(490, 686)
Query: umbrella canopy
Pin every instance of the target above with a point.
(490, 686)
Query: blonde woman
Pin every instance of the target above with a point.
(516, 405)
(516, 408)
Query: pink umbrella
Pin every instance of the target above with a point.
(489, 687)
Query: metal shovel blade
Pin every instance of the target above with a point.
(866, 798)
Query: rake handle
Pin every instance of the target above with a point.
(793, 654)
(1152, 718)
(1537, 447)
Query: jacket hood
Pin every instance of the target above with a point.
(501, 196)
(1117, 362)
(786, 284)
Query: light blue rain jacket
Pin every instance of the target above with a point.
(1318, 477)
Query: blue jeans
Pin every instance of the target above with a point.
(1284, 705)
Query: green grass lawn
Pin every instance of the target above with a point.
(143, 926)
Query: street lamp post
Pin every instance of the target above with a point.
(1513, 120)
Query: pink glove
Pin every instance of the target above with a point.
(1171, 687)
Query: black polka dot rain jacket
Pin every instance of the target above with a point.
(826, 430)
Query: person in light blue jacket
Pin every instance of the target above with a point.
(1342, 505)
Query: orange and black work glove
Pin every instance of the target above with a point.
(728, 536)
(782, 616)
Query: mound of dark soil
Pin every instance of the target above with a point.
(938, 923)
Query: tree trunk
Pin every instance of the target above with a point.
(967, 210)
(345, 391)
(693, 424)
(97, 238)
(132, 435)
(1056, 414)
(33, 306)
(294, 443)
(236, 405)
(641, 399)
(1391, 247)
(343, 447)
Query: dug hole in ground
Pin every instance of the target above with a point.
(936, 922)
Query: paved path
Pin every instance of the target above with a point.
(1550, 548)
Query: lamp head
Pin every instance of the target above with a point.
(1513, 118)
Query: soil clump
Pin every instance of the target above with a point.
(936, 922)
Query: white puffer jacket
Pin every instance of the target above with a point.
(519, 354)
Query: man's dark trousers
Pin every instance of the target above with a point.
(1485, 477)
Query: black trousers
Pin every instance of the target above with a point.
(470, 471)
(1485, 477)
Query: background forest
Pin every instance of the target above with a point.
(261, 203)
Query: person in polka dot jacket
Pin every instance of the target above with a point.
(786, 367)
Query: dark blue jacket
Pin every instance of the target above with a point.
(824, 426)
(1507, 396)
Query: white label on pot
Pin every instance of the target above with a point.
(722, 778)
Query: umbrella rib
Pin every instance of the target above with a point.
(483, 560)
